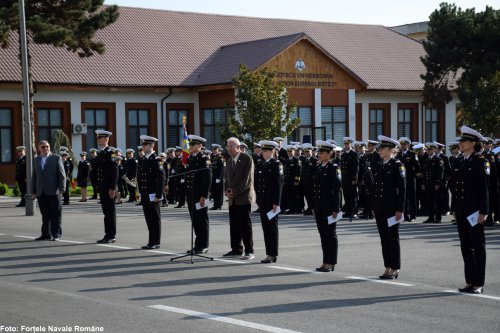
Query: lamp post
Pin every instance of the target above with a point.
(30, 203)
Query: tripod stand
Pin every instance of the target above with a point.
(191, 253)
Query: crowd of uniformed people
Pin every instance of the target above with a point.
(388, 180)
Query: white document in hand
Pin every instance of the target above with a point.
(472, 218)
(152, 197)
(271, 214)
(199, 206)
(217, 181)
(392, 221)
(332, 220)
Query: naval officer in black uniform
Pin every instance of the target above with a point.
(471, 198)
(389, 202)
(107, 179)
(218, 163)
(327, 182)
(434, 176)
(350, 168)
(412, 166)
(268, 186)
(150, 181)
(198, 180)
(21, 173)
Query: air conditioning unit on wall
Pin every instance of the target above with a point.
(79, 128)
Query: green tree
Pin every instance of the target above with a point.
(463, 55)
(262, 108)
(69, 24)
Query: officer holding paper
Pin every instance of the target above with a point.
(327, 183)
(471, 209)
(389, 204)
(268, 185)
(150, 180)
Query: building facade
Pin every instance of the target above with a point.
(355, 80)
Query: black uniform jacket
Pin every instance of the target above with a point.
(198, 176)
(268, 178)
(471, 187)
(106, 169)
(151, 177)
(350, 166)
(327, 187)
(390, 186)
(83, 170)
(21, 169)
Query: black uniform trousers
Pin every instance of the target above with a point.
(389, 237)
(290, 198)
(308, 194)
(51, 209)
(131, 191)
(328, 236)
(216, 190)
(350, 196)
(93, 180)
(240, 227)
(411, 198)
(421, 198)
(270, 229)
(109, 210)
(199, 219)
(153, 219)
(433, 202)
(472, 244)
(22, 189)
(66, 192)
(181, 192)
(445, 199)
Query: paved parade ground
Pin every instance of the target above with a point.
(75, 284)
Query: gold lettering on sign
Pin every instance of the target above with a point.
(306, 80)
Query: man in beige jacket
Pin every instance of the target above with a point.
(238, 185)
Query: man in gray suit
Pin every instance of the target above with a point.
(238, 184)
(49, 182)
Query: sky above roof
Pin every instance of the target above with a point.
(383, 12)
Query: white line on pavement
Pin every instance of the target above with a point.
(2, 234)
(21, 236)
(473, 295)
(226, 320)
(162, 252)
(70, 241)
(116, 246)
(293, 269)
(380, 281)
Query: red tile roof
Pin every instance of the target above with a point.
(158, 48)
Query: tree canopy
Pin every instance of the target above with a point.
(71, 24)
(463, 53)
(262, 108)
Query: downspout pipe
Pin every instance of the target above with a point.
(162, 107)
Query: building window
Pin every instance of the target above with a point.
(304, 132)
(376, 123)
(175, 127)
(95, 119)
(431, 125)
(5, 135)
(404, 122)
(48, 121)
(212, 119)
(138, 124)
(334, 119)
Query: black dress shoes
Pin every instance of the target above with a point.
(392, 276)
(42, 237)
(326, 268)
(179, 206)
(215, 208)
(197, 251)
(269, 260)
(466, 289)
(151, 247)
(56, 238)
(106, 240)
(233, 253)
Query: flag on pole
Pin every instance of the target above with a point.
(185, 142)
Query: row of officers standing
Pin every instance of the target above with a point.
(385, 175)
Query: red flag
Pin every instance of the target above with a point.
(185, 142)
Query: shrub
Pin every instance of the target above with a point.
(16, 191)
(3, 189)
(76, 191)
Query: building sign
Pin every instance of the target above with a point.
(306, 80)
(305, 66)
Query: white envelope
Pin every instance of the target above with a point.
(472, 218)
(271, 214)
(331, 220)
(217, 181)
(392, 221)
(182, 181)
(198, 206)
(152, 197)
